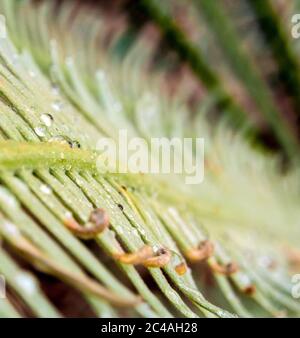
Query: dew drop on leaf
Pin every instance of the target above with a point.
(32, 74)
(244, 279)
(57, 106)
(68, 215)
(40, 130)
(26, 283)
(7, 198)
(10, 229)
(142, 232)
(55, 90)
(156, 248)
(45, 189)
(47, 119)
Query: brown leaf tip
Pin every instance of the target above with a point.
(203, 252)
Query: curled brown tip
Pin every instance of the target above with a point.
(162, 258)
(227, 269)
(249, 290)
(146, 257)
(98, 222)
(203, 252)
(137, 257)
(181, 269)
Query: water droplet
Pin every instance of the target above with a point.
(40, 130)
(135, 232)
(156, 248)
(45, 189)
(142, 232)
(172, 211)
(57, 106)
(120, 230)
(11, 229)
(244, 279)
(7, 198)
(32, 74)
(47, 119)
(26, 283)
(55, 90)
(68, 215)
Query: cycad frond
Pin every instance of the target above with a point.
(61, 92)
